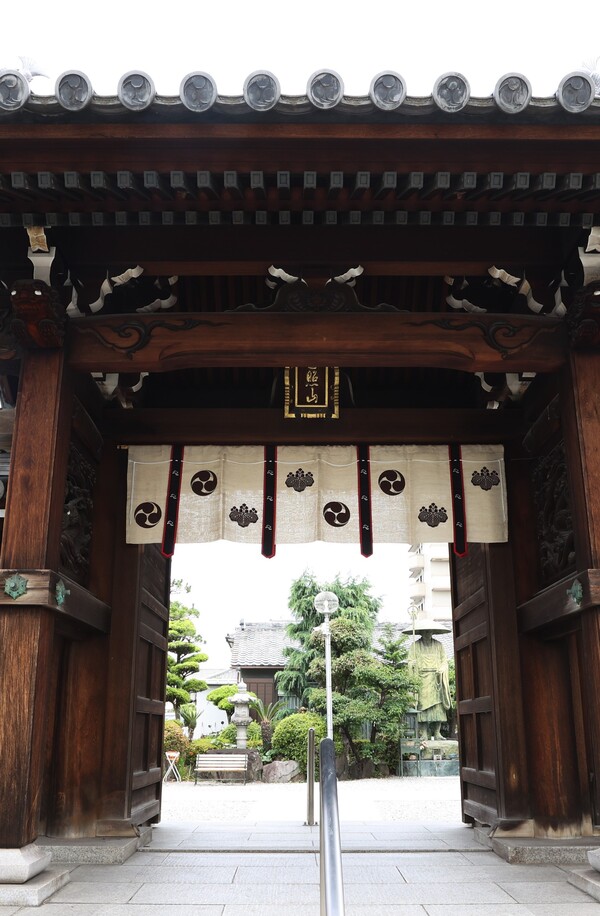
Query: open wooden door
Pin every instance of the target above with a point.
(491, 733)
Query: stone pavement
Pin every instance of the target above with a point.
(226, 850)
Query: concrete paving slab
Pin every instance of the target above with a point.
(121, 909)
(97, 892)
(193, 859)
(410, 909)
(564, 909)
(425, 859)
(236, 909)
(496, 909)
(498, 874)
(277, 895)
(540, 892)
(464, 893)
(214, 874)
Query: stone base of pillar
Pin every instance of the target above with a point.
(35, 891)
(20, 865)
(94, 850)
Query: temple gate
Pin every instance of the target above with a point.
(430, 254)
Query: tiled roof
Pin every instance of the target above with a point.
(387, 97)
(215, 677)
(261, 645)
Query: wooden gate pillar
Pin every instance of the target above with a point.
(31, 540)
(581, 423)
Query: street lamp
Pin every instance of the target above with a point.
(327, 603)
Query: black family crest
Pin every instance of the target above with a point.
(432, 515)
(300, 480)
(243, 516)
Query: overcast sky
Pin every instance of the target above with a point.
(482, 40)
(231, 582)
(421, 41)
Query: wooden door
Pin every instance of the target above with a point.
(136, 681)
(149, 689)
(491, 733)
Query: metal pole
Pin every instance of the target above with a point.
(310, 779)
(330, 855)
(328, 687)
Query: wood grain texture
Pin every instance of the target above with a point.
(589, 655)
(550, 737)
(78, 741)
(491, 343)
(25, 665)
(581, 423)
(39, 458)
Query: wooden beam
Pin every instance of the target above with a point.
(556, 602)
(145, 426)
(406, 250)
(78, 604)
(486, 343)
(258, 268)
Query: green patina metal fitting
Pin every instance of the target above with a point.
(15, 586)
(62, 592)
(576, 592)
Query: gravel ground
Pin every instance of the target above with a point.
(424, 799)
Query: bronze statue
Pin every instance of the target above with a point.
(427, 659)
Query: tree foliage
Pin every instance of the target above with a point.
(356, 605)
(370, 684)
(267, 715)
(184, 656)
(220, 696)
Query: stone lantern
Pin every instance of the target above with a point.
(241, 716)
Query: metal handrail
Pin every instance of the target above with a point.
(310, 779)
(330, 847)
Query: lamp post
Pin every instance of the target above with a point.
(327, 603)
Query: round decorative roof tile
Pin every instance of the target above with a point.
(198, 91)
(576, 91)
(261, 90)
(387, 91)
(451, 92)
(14, 90)
(512, 93)
(325, 89)
(136, 90)
(73, 90)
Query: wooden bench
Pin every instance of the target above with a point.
(221, 763)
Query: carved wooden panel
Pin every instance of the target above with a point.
(76, 533)
(556, 547)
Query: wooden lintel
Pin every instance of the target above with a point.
(569, 596)
(162, 267)
(403, 249)
(77, 604)
(471, 343)
(146, 426)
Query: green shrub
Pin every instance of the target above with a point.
(229, 733)
(175, 740)
(199, 746)
(290, 736)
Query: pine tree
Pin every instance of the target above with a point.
(356, 604)
(184, 657)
